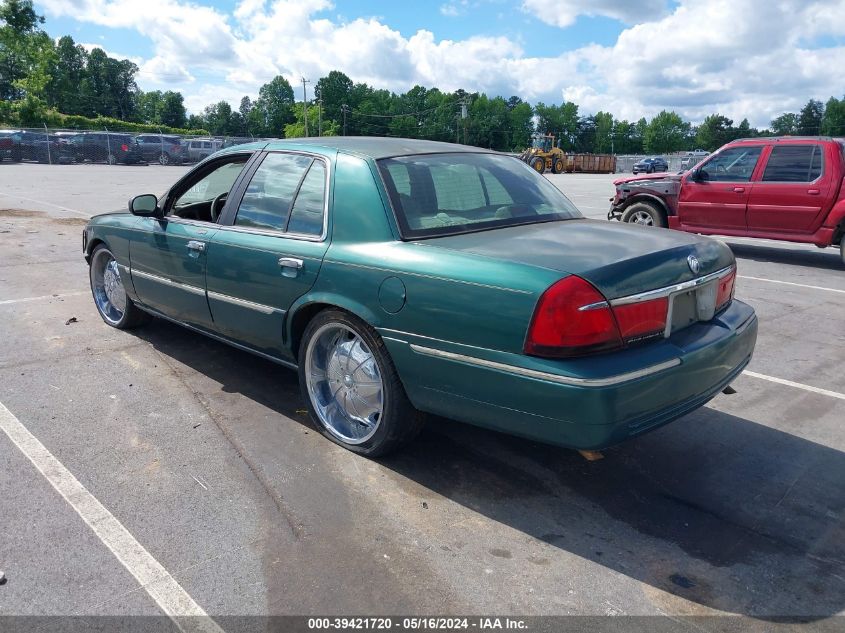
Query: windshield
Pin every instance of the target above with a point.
(445, 194)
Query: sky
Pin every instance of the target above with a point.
(750, 59)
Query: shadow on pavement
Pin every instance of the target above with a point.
(714, 508)
(827, 258)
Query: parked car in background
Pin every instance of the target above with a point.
(650, 165)
(45, 148)
(9, 147)
(402, 276)
(162, 149)
(781, 188)
(199, 148)
(105, 147)
(693, 158)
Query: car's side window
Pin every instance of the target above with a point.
(306, 217)
(197, 200)
(268, 198)
(794, 163)
(735, 164)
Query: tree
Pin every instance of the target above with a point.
(272, 110)
(521, 124)
(666, 132)
(833, 121)
(334, 89)
(810, 118)
(172, 111)
(24, 49)
(560, 120)
(604, 139)
(715, 131)
(785, 124)
(66, 75)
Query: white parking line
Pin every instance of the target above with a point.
(168, 594)
(790, 283)
(797, 385)
(6, 302)
(49, 204)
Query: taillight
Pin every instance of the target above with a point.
(572, 318)
(641, 320)
(124, 147)
(725, 291)
(174, 148)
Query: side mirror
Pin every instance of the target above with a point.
(145, 205)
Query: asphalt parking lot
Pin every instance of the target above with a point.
(204, 455)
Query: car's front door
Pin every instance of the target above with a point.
(793, 191)
(715, 195)
(269, 249)
(168, 258)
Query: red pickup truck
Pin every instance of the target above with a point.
(782, 188)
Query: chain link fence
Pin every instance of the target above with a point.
(62, 147)
(678, 161)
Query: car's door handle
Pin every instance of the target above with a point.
(739, 189)
(290, 266)
(194, 245)
(813, 192)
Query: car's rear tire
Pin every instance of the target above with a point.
(111, 159)
(842, 249)
(644, 213)
(110, 298)
(163, 159)
(538, 164)
(351, 387)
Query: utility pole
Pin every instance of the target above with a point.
(464, 115)
(305, 103)
(320, 117)
(344, 108)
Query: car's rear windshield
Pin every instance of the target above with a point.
(444, 194)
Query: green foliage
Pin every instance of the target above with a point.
(833, 121)
(786, 123)
(665, 133)
(810, 118)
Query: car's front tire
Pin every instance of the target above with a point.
(110, 298)
(351, 387)
(645, 214)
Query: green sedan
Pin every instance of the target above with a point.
(404, 277)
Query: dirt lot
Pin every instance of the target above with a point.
(203, 454)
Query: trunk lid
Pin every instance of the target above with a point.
(618, 259)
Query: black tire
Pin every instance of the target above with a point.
(132, 316)
(111, 159)
(164, 158)
(842, 249)
(644, 213)
(538, 164)
(399, 421)
(557, 166)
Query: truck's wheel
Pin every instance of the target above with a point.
(644, 213)
(842, 248)
(538, 164)
(557, 166)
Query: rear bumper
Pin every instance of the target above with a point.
(620, 395)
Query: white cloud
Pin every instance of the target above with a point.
(753, 58)
(563, 13)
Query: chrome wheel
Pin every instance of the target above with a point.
(107, 287)
(164, 159)
(344, 383)
(641, 217)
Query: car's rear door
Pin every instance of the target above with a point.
(169, 255)
(269, 249)
(795, 187)
(715, 195)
